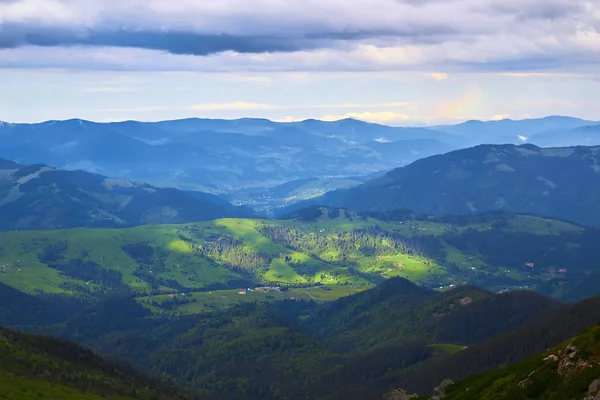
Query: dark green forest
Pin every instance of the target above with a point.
(359, 347)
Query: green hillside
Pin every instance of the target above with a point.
(36, 367)
(570, 371)
(334, 249)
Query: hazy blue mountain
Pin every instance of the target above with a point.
(359, 131)
(221, 156)
(244, 158)
(558, 182)
(510, 131)
(41, 197)
(588, 135)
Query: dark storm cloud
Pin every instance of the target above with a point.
(181, 42)
(172, 42)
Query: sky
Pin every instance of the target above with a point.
(397, 62)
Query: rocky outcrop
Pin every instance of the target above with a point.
(399, 394)
(465, 300)
(440, 391)
(593, 391)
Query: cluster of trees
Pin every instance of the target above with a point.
(357, 243)
(233, 254)
(147, 256)
(53, 252)
(173, 302)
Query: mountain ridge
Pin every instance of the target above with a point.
(42, 197)
(524, 179)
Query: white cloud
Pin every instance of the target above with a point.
(134, 110)
(243, 105)
(237, 105)
(108, 89)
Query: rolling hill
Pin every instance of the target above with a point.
(556, 182)
(292, 348)
(394, 335)
(359, 347)
(330, 247)
(399, 311)
(41, 197)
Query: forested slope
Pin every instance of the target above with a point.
(33, 367)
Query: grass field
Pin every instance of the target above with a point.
(410, 267)
(206, 301)
(104, 246)
(443, 348)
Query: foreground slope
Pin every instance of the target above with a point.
(569, 371)
(511, 347)
(33, 367)
(41, 197)
(558, 182)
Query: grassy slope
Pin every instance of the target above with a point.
(540, 377)
(18, 251)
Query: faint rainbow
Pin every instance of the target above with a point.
(463, 105)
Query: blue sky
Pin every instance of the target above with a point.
(399, 62)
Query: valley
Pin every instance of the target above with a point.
(324, 286)
(299, 200)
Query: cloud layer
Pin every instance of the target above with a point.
(434, 35)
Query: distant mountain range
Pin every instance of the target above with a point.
(558, 182)
(550, 131)
(220, 155)
(41, 197)
(238, 157)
